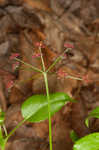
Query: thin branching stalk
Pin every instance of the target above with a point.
(48, 99)
(29, 65)
(57, 60)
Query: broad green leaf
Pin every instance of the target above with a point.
(35, 108)
(94, 113)
(73, 136)
(89, 142)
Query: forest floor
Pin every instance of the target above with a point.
(24, 23)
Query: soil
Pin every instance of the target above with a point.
(24, 23)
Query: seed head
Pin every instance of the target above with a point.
(68, 45)
(14, 55)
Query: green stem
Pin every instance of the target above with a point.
(57, 60)
(43, 65)
(2, 141)
(1, 136)
(5, 130)
(49, 114)
(3, 147)
(12, 132)
(48, 99)
(75, 78)
(34, 68)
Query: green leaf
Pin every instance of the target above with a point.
(73, 136)
(87, 122)
(94, 113)
(89, 142)
(35, 108)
